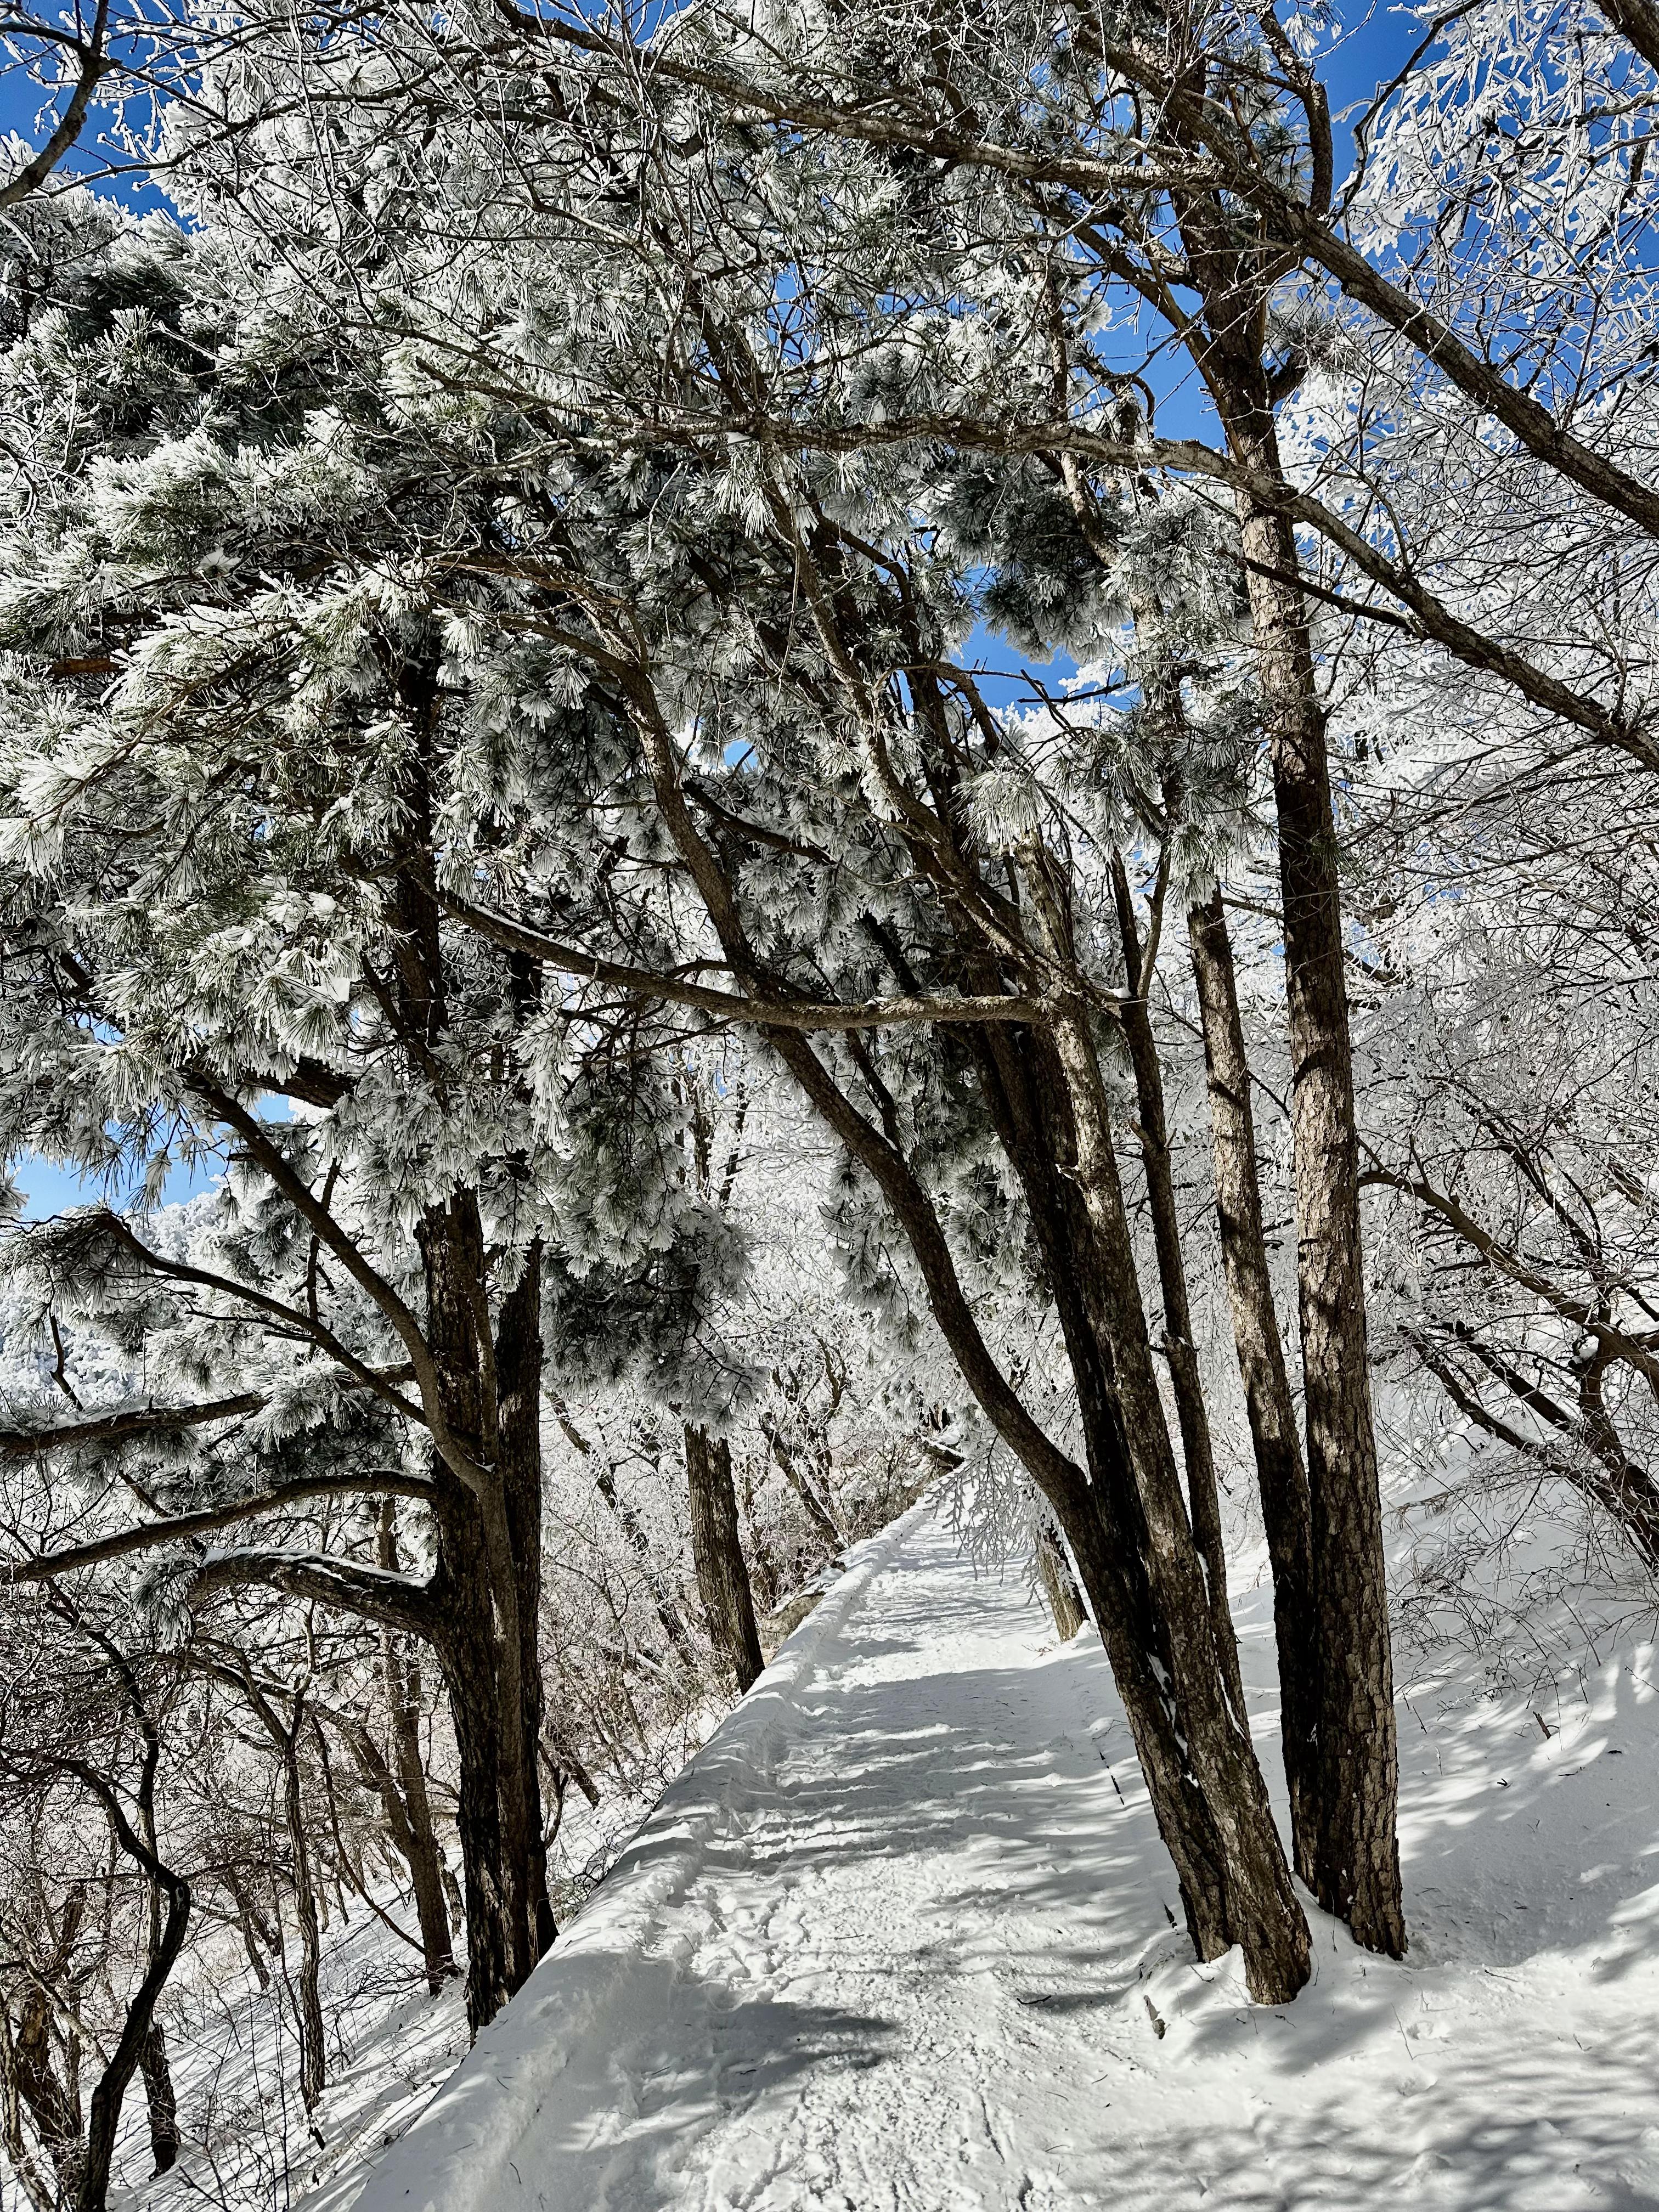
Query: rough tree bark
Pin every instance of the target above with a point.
(55, 2113)
(308, 2000)
(1286, 1512)
(123, 2060)
(1200, 1769)
(1180, 1347)
(406, 1802)
(161, 2100)
(1356, 1857)
(485, 1583)
(717, 1550)
(1054, 1571)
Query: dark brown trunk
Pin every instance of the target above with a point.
(487, 1593)
(107, 2098)
(1263, 1915)
(307, 1997)
(717, 1550)
(519, 1383)
(1179, 1344)
(55, 2114)
(1271, 1411)
(1356, 1856)
(161, 2100)
(1055, 1572)
(1105, 1524)
(405, 1800)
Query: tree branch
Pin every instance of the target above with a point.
(150, 1535)
(802, 1014)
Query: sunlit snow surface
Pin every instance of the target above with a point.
(898, 1937)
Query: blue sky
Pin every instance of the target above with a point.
(48, 1188)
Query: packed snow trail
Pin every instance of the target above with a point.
(899, 1941)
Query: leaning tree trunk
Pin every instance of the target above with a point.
(1356, 1853)
(105, 2117)
(717, 1550)
(1180, 1347)
(1211, 1812)
(1211, 1802)
(1271, 1411)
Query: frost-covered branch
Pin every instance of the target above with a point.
(152, 1535)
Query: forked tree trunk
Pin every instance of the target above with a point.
(1268, 1404)
(105, 2117)
(1356, 1855)
(1211, 1812)
(1261, 1902)
(717, 1550)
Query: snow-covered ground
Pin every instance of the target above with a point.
(900, 1937)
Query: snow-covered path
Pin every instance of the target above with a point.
(901, 1938)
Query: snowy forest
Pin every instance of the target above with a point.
(829, 1093)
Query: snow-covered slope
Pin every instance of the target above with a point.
(900, 1937)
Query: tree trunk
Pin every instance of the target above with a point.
(1179, 1347)
(722, 1575)
(42, 2193)
(406, 1802)
(51, 2108)
(487, 1593)
(107, 2098)
(1215, 1820)
(1055, 1570)
(161, 2100)
(308, 2001)
(1356, 1856)
(796, 1476)
(519, 1386)
(1279, 1473)
(1213, 1814)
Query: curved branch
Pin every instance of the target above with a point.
(375, 1592)
(803, 1014)
(151, 1535)
(132, 1421)
(94, 65)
